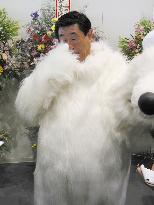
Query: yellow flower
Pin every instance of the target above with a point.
(40, 47)
(54, 20)
(53, 28)
(1, 70)
(34, 145)
(49, 33)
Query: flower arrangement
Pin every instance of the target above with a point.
(19, 57)
(8, 31)
(41, 32)
(9, 63)
(132, 46)
(5, 143)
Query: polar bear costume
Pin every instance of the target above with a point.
(87, 125)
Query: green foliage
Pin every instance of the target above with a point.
(132, 46)
(8, 27)
(147, 24)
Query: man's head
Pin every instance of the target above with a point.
(74, 28)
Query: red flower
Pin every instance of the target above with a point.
(36, 37)
(45, 38)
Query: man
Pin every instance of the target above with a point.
(79, 97)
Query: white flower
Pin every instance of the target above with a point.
(1, 143)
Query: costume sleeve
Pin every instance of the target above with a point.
(39, 89)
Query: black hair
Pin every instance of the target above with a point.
(71, 18)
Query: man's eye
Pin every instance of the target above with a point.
(63, 40)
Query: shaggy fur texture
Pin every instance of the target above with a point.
(87, 125)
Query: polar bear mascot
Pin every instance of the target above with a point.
(91, 118)
(142, 98)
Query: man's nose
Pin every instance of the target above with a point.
(70, 45)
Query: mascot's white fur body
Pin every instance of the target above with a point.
(87, 126)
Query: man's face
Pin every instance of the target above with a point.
(76, 40)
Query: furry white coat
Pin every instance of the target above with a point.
(87, 125)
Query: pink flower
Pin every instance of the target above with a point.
(139, 29)
(131, 44)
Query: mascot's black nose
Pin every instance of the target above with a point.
(146, 103)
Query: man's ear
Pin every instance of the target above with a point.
(90, 34)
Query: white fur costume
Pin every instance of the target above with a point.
(87, 125)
